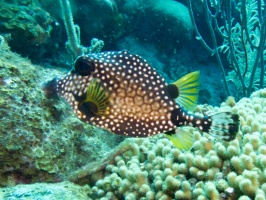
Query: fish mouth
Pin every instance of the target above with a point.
(49, 88)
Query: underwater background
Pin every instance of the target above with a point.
(48, 153)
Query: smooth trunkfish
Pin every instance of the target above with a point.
(120, 92)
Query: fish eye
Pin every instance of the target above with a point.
(84, 66)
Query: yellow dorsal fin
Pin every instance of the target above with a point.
(97, 98)
(188, 90)
(183, 140)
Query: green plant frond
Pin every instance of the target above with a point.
(223, 48)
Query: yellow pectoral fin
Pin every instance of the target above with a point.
(97, 97)
(183, 140)
(188, 90)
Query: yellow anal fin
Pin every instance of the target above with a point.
(97, 98)
(188, 90)
(183, 140)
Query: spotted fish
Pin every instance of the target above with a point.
(122, 93)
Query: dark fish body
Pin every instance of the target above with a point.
(122, 93)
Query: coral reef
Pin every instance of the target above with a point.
(152, 168)
(28, 24)
(94, 170)
(41, 139)
(212, 170)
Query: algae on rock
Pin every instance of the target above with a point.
(45, 191)
(41, 139)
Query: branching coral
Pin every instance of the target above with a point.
(212, 170)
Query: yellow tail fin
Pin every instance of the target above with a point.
(188, 88)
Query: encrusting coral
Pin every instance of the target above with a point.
(62, 190)
(211, 170)
(40, 139)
